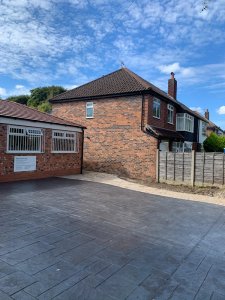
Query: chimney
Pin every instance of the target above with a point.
(172, 86)
(207, 114)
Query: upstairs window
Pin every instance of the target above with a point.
(170, 110)
(89, 110)
(156, 108)
(24, 140)
(204, 128)
(64, 142)
(185, 122)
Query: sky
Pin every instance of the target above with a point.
(70, 42)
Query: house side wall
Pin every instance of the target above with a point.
(48, 164)
(114, 141)
(162, 122)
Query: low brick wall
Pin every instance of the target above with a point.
(48, 164)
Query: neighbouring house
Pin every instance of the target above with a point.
(37, 145)
(212, 127)
(127, 120)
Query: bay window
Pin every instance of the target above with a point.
(185, 122)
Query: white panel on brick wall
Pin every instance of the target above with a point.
(24, 163)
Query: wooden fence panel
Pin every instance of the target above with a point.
(200, 167)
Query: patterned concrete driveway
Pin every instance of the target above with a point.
(68, 239)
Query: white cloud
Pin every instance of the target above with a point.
(176, 68)
(41, 45)
(19, 86)
(198, 109)
(3, 92)
(70, 86)
(167, 69)
(16, 91)
(221, 110)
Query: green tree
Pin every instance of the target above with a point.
(43, 94)
(214, 143)
(39, 97)
(45, 107)
(22, 99)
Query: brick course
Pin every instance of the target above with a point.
(48, 164)
(114, 141)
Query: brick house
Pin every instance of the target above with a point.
(212, 127)
(37, 145)
(127, 120)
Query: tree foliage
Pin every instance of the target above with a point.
(22, 99)
(214, 143)
(39, 97)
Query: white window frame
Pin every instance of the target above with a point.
(177, 147)
(188, 147)
(89, 105)
(26, 134)
(183, 121)
(62, 138)
(204, 128)
(157, 103)
(170, 113)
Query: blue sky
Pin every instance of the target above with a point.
(70, 42)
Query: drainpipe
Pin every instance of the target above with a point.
(82, 152)
(142, 106)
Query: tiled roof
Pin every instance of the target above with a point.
(164, 133)
(15, 110)
(121, 81)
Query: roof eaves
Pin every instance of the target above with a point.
(139, 92)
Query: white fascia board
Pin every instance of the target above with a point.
(19, 122)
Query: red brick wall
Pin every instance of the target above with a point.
(162, 122)
(114, 141)
(48, 164)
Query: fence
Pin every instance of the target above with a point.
(195, 168)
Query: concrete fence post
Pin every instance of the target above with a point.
(193, 168)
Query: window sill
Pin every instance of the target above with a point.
(89, 117)
(170, 123)
(185, 130)
(64, 152)
(156, 117)
(23, 152)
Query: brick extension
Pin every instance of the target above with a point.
(48, 164)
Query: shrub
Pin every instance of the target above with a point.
(214, 143)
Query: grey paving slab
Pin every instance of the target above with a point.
(83, 292)
(14, 282)
(68, 239)
(6, 269)
(37, 263)
(64, 285)
(26, 252)
(21, 295)
(4, 296)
